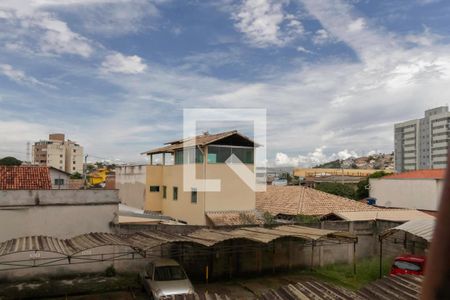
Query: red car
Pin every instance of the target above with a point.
(408, 264)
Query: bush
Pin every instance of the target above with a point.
(336, 188)
(306, 219)
(10, 161)
(110, 271)
(268, 218)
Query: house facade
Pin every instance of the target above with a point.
(166, 191)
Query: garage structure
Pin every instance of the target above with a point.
(204, 252)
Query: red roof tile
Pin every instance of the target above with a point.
(419, 174)
(24, 178)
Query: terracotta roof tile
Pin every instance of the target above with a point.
(24, 178)
(295, 200)
(419, 174)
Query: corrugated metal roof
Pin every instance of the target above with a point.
(393, 287)
(316, 290)
(420, 228)
(144, 241)
(401, 287)
(400, 215)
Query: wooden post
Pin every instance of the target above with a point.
(381, 257)
(354, 258)
(312, 254)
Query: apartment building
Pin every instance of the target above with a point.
(423, 143)
(165, 190)
(57, 152)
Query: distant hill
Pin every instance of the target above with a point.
(379, 161)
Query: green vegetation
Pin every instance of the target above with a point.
(367, 270)
(306, 219)
(336, 188)
(76, 175)
(268, 218)
(10, 161)
(335, 164)
(361, 190)
(110, 271)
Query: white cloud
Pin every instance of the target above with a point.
(303, 49)
(356, 25)
(316, 157)
(322, 37)
(20, 76)
(119, 63)
(32, 28)
(264, 23)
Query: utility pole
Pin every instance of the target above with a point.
(85, 171)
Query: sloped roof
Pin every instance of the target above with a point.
(24, 178)
(398, 215)
(420, 228)
(295, 200)
(419, 174)
(199, 140)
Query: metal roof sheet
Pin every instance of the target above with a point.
(400, 215)
(310, 289)
(144, 241)
(420, 228)
(393, 287)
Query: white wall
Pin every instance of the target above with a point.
(57, 213)
(407, 193)
(131, 183)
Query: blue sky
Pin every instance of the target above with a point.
(115, 75)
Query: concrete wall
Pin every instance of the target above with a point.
(131, 183)
(407, 193)
(58, 213)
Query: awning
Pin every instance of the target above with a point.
(421, 228)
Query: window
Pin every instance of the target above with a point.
(60, 161)
(60, 155)
(169, 273)
(72, 168)
(194, 195)
(164, 192)
(154, 188)
(175, 193)
(59, 181)
(73, 162)
(190, 156)
(74, 151)
(219, 154)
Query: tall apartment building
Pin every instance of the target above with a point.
(59, 153)
(423, 143)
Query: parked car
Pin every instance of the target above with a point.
(408, 264)
(165, 277)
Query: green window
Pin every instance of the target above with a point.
(189, 155)
(154, 188)
(164, 192)
(218, 154)
(175, 193)
(194, 195)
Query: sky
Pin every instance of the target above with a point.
(115, 75)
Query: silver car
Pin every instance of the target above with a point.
(165, 277)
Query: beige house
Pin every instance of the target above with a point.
(56, 152)
(165, 191)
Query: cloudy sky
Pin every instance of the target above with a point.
(115, 75)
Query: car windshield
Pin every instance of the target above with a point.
(406, 265)
(167, 273)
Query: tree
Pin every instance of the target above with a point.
(10, 161)
(337, 189)
(362, 190)
(76, 175)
